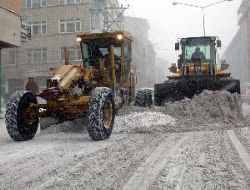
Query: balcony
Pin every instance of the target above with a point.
(10, 29)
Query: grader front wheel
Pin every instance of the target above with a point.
(101, 114)
(20, 125)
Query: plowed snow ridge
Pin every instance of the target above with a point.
(211, 110)
(208, 107)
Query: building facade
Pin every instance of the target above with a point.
(238, 52)
(54, 25)
(143, 54)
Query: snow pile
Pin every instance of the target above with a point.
(211, 110)
(131, 109)
(208, 108)
(143, 122)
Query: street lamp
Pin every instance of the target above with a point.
(203, 9)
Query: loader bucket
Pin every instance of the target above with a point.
(175, 90)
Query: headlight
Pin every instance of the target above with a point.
(56, 78)
(119, 36)
(78, 39)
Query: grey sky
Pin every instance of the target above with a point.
(168, 22)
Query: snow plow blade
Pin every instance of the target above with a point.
(175, 90)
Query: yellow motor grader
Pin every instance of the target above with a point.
(96, 88)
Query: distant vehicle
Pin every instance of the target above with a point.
(197, 70)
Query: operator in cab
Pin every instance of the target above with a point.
(197, 57)
(198, 54)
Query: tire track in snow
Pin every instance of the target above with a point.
(150, 169)
(243, 135)
(109, 168)
(239, 147)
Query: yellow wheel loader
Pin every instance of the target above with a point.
(197, 70)
(96, 88)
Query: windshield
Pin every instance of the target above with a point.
(190, 50)
(93, 50)
(197, 48)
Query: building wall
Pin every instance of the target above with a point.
(235, 57)
(238, 52)
(48, 46)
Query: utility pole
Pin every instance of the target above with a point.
(118, 19)
(203, 9)
(112, 14)
(204, 28)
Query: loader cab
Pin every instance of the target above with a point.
(198, 55)
(206, 45)
(101, 46)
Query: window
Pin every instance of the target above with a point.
(44, 3)
(13, 57)
(70, 25)
(74, 54)
(37, 55)
(65, 2)
(127, 53)
(28, 4)
(36, 3)
(96, 21)
(38, 27)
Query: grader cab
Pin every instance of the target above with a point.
(96, 88)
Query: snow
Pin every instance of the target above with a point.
(208, 111)
(209, 106)
(143, 122)
(246, 109)
(184, 145)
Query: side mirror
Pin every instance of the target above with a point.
(173, 64)
(224, 65)
(177, 46)
(218, 43)
(173, 68)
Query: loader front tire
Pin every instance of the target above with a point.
(18, 127)
(101, 114)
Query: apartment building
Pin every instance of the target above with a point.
(54, 25)
(143, 54)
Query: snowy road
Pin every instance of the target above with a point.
(130, 159)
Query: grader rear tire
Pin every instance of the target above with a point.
(18, 128)
(149, 98)
(144, 98)
(101, 114)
